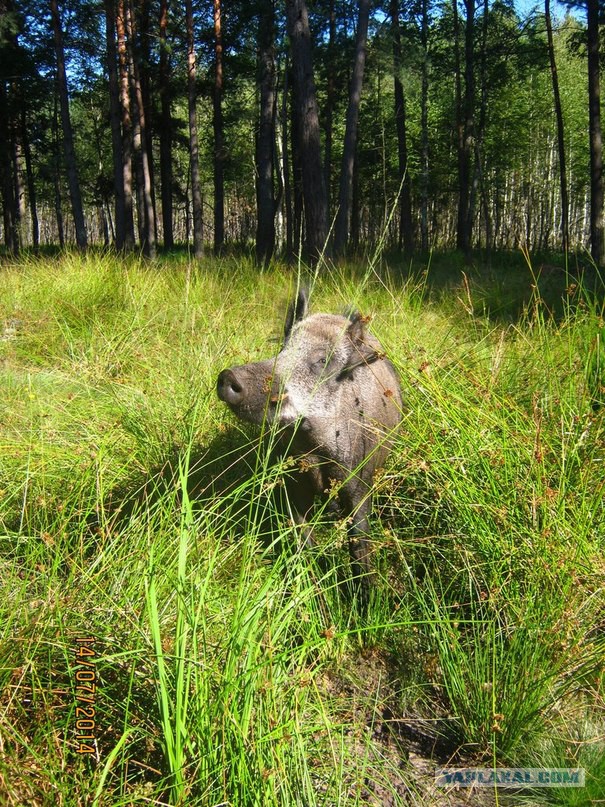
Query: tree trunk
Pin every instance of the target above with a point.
(560, 130)
(57, 175)
(465, 109)
(459, 113)
(31, 185)
(116, 131)
(341, 230)
(68, 140)
(127, 134)
(424, 129)
(265, 140)
(298, 204)
(597, 243)
(219, 136)
(6, 169)
(137, 142)
(194, 158)
(308, 133)
(8, 188)
(166, 176)
(329, 108)
(479, 131)
(286, 168)
(406, 227)
(143, 66)
(146, 210)
(149, 241)
(20, 207)
(11, 240)
(355, 235)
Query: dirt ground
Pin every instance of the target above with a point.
(393, 756)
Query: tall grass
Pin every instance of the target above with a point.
(232, 667)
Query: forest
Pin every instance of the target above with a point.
(171, 176)
(288, 129)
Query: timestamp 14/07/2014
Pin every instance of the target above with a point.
(86, 693)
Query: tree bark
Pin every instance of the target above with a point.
(424, 128)
(265, 139)
(461, 216)
(6, 168)
(136, 126)
(478, 183)
(166, 176)
(465, 106)
(194, 159)
(31, 185)
(329, 108)
(219, 135)
(57, 175)
(10, 211)
(308, 132)
(289, 212)
(9, 221)
(116, 130)
(147, 228)
(355, 234)
(597, 242)
(20, 207)
(143, 66)
(127, 133)
(68, 139)
(406, 227)
(298, 204)
(341, 230)
(560, 130)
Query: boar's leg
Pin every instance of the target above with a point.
(355, 503)
(301, 496)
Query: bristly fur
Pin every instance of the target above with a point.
(337, 402)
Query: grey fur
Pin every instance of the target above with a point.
(337, 400)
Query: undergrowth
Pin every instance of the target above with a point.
(231, 665)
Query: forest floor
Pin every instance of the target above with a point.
(163, 637)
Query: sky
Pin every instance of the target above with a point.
(524, 7)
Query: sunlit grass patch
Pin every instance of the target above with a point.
(233, 666)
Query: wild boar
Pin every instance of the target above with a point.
(336, 401)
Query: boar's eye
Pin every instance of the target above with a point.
(320, 363)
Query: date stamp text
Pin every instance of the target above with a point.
(86, 695)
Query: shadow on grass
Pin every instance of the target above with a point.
(218, 479)
(503, 286)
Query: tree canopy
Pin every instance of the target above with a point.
(283, 125)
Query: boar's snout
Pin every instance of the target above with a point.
(229, 388)
(248, 390)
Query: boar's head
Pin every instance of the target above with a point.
(308, 380)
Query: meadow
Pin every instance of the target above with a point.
(163, 637)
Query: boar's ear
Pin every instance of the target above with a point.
(360, 352)
(297, 310)
(350, 312)
(356, 331)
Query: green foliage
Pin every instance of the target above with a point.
(516, 186)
